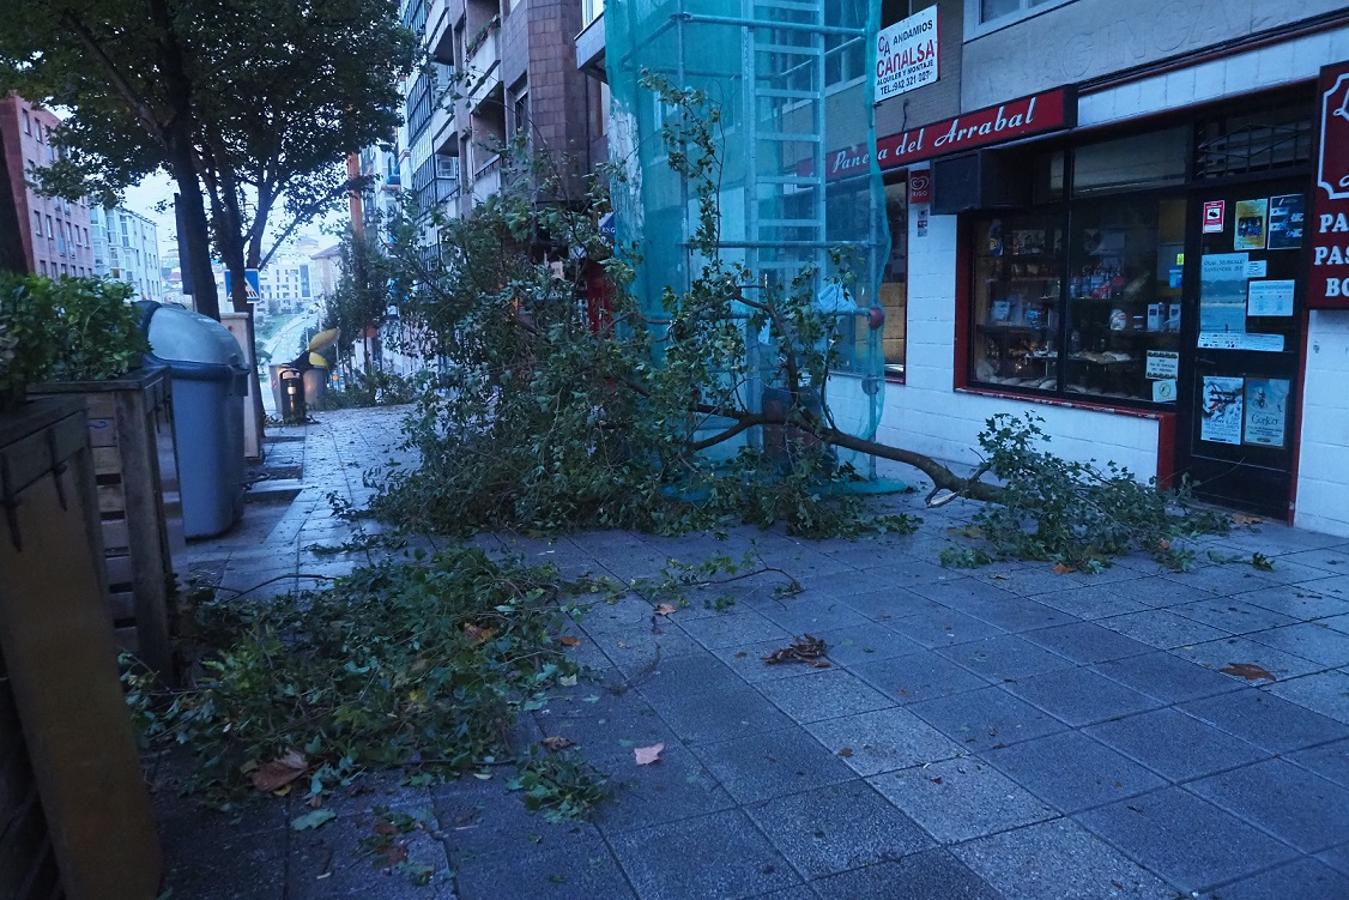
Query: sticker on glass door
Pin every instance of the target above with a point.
(1266, 411)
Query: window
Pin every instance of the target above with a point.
(1083, 297)
(27, 123)
(590, 11)
(37, 224)
(51, 228)
(42, 266)
(894, 280)
(984, 16)
(845, 56)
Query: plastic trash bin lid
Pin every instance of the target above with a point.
(180, 335)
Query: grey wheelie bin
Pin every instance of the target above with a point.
(209, 376)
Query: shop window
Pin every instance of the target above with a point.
(1017, 290)
(894, 298)
(1124, 298)
(983, 16)
(1146, 160)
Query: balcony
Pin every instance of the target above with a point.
(484, 63)
(487, 180)
(590, 42)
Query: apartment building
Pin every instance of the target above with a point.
(126, 249)
(56, 233)
(498, 69)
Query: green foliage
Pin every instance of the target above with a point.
(69, 329)
(421, 663)
(1074, 514)
(376, 388)
(964, 557)
(560, 785)
(677, 578)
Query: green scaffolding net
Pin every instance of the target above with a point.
(796, 188)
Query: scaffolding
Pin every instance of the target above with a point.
(798, 191)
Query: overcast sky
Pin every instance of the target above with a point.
(158, 189)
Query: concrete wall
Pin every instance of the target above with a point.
(1090, 38)
(1323, 476)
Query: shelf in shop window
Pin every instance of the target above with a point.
(1023, 329)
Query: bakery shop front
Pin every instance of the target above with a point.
(1142, 284)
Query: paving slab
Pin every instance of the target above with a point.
(1061, 860)
(730, 629)
(1072, 771)
(734, 859)
(1310, 640)
(677, 787)
(1304, 879)
(1087, 642)
(986, 718)
(701, 717)
(1324, 692)
(942, 627)
(839, 827)
(1176, 746)
(1081, 696)
(961, 799)
(1291, 803)
(917, 676)
(1188, 841)
(864, 643)
(884, 740)
(1328, 760)
(1161, 628)
(824, 694)
(1266, 720)
(773, 764)
(1166, 677)
(1225, 653)
(932, 875)
(1007, 657)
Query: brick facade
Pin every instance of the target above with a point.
(56, 239)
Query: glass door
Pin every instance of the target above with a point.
(1243, 333)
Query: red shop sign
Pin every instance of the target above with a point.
(920, 186)
(1328, 287)
(1038, 113)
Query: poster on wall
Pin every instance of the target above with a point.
(1222, 292)
(1286, 216)
(1266, 411)
(1328, 287)
(1270, 298)
(1220, 415)
(907, 54)
(1215, 216)
(1250, 234)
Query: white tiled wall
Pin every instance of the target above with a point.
(928, 416)
(1323, 474)
(1260, 69)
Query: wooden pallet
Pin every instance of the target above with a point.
(136, 472)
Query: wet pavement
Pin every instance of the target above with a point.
(999, 732)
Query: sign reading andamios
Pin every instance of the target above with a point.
(906, 54)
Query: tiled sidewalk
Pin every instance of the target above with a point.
(1003, 732)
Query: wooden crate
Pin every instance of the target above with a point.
(135, 468)
(75, 817)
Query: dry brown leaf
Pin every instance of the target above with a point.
(1061, 569)
(478, 635)
(557, 742)
(937, 780)
(665, 609)
(806, 649)
(568, 640)
(845, 752)
(645, 756)
(1249, 671)
(1243, 519)
(279, 772)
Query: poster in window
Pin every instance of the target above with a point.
(1270, 298)
(1220, 414)
(1222, 292)
(1286, 216)
(1266, 411)
(1251, 215)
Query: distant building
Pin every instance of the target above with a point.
(126, 249)
(55, 232)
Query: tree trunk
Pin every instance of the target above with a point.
(12, 257)
(195, 240)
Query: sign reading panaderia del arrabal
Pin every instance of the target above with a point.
(1328, 287)
(906, 54)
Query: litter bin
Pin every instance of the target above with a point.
(291, 395)
(209, 376)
